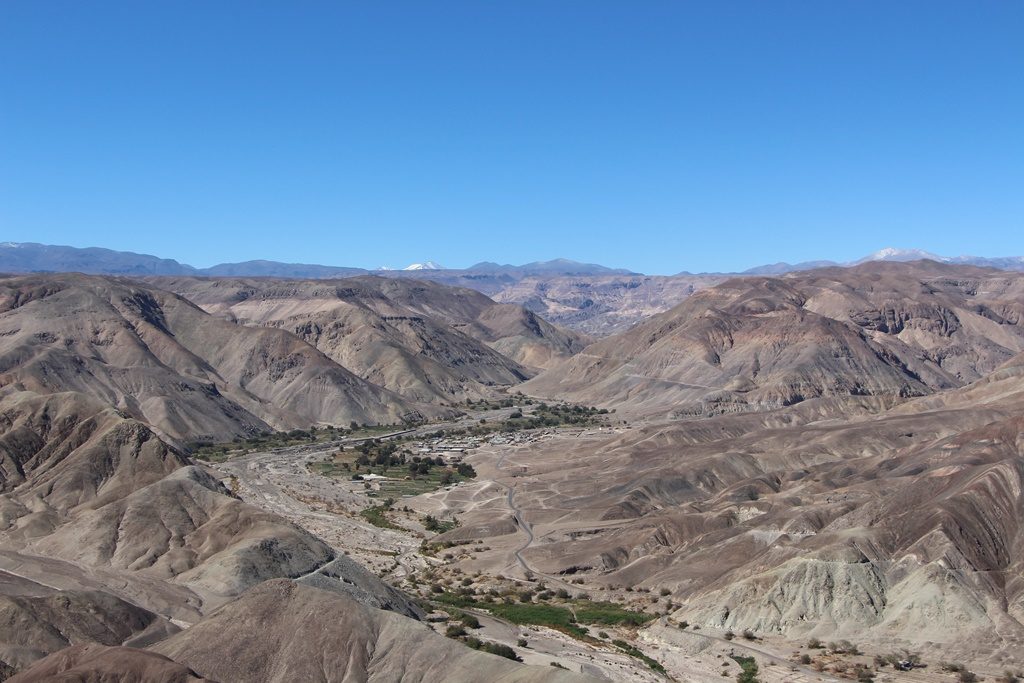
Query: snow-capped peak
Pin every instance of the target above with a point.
(893, 254)
(426, 265)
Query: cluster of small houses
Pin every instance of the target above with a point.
(453, 449)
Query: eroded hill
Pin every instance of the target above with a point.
(423, 340)
(887, 331)
(159, 358)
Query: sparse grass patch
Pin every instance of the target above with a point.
(375, 515)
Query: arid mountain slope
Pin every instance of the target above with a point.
(331, 638)
(85, 485)
(108, 533)
(602, 304)
(103, 527)
(903, 526)
(102, 664)
(883, 330)
(37, 625)
(163, 360)
(424, 340)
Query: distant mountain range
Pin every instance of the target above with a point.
(893, 254)
(31, 257)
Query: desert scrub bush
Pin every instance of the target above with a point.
(864, 674)
(749, 669)
(634, 652)
(844, 647)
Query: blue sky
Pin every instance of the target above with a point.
(658, 136)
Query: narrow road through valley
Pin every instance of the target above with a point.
(517, 514)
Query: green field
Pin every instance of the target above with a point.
(565, 617)
(396, 485)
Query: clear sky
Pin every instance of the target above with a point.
(657, 136)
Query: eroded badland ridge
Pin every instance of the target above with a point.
(830, 454)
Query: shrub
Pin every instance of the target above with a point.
(968, 677)
(805, 659)
(814, 644)
(470, 621)
(500, 650)
(521, 642)
(750, 669)
(748, 634)
(844, 647)
(664, 591)
(729, 635)
(455, 631)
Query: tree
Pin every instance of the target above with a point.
(750, 669)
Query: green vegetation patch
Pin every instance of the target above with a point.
(749, 666)
(376, 515)
(566, 618)
(634, 652)
(608, 614)
(265, 441)
(405, 474)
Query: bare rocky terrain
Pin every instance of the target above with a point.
(881, 330)
(832, 454)
(423, 340)
(159, 358)
(601, 305)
